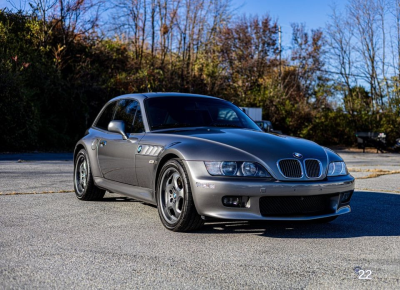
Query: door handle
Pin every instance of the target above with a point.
(103, 143)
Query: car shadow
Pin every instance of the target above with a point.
(118, 199)
(373, 214)
(115, 197)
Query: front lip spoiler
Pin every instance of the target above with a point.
(250, 216)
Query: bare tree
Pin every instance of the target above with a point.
(307, 57)
(340, 36)
(364, 16)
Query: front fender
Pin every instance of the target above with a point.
(86, 143)
(332, 156)
(199, 150)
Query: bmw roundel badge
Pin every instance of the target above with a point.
(298, 155)
(139, 149)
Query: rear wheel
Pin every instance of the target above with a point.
(174, 198)
(85, 189)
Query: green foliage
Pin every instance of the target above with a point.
(45, 96)
(53, 83)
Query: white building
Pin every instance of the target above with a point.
(254, 113)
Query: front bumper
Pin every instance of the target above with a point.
(208, 192)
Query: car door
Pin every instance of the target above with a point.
(116, 156)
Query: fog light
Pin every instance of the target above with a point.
(345, 196)
(232, 201)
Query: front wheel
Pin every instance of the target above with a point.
(84, 186)
(174, 199)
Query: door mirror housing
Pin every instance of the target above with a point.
(118, 126)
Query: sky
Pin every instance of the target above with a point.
(314, 13)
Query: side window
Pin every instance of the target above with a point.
(106, 117)
(138, 126)
(125, 111)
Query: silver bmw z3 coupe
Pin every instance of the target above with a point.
(198, 157)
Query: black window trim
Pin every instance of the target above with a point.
(114, 112)
(133, 120)
(94, 125)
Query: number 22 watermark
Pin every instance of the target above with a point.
(363, 274)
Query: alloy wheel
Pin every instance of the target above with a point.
(81, 174)
(172, 195)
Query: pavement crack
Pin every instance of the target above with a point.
(43, 192)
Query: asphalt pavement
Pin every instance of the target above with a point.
(55, 241)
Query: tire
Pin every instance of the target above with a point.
(174, 199)
(84, 186)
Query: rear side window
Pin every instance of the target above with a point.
(106, 117)
(125, 111)
(138, 126)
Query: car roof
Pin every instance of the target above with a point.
(155, 95)
(144, 96)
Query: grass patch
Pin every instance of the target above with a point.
(374, 172)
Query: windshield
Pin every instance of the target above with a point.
(180, 112)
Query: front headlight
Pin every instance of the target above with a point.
(229, 168)
(233, 168)
(337, 168)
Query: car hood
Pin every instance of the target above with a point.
(260, 144)
(264, 147)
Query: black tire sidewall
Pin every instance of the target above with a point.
(187, 193)
(83, 153)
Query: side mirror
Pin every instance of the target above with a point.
(117, 126)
